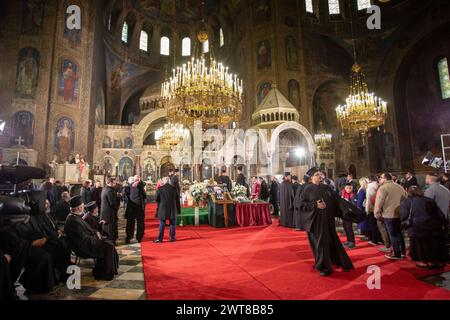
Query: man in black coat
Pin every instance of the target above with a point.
(264, 190)
(175, 179)
(241, 180)
(169, 207)
(108, 212)
(88, 243)
(275, 195)
(135, 212)
(7, 291)
(97, 194)
(410, 180)
(286, 202)
(297, 217)
(92, 217)
(63, 207)
(224, 179)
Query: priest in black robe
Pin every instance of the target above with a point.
(241, 180)
(224, 179)
(298, 193)
(7, 291)
(92, 217)
(319, 207)
(275, 195)
(109, 209)
(286, 202)
(88, 243)
(42, 226)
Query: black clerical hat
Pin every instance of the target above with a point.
(287, 174)
(91, 206)
(312, 171)
(75, 202)
(294, 178)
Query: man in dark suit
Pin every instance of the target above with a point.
(135, 212)
(264, 190)
(169, 207)
(109, 209)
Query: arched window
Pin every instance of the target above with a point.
(444, 78)
(309, 6)
(125, 32)
(221, 37)
(186, 47)
(206, 46)
(143, 41)
(333, 7)
(363, 4)
(165, 46)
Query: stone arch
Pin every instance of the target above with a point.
(140, 129)
(293, 126)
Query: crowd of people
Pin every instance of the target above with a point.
(37, 252)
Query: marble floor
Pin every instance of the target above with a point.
(127, 285)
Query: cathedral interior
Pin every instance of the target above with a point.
(95, 90)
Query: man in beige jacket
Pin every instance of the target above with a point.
(387, 209)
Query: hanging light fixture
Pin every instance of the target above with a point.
(171, 134)
(322, 138)
(203, 90)
(363, 110)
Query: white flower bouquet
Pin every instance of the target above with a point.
(239, 191)
(198, 192)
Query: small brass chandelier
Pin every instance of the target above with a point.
(322, 138)
(171, 134)
(363, 110)
(203, 90)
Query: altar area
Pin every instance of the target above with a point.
(71, 173)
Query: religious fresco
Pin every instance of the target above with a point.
(128, 142)
(149, 169)
(106, 143)
(126, 168)
(72, 36)
(64, 138)
(118, 143)
(263, 90)
(263, 55)
(108, 166)
(291, 51)
(32, 17)
(294, 92)
(118, 72)
(68, 88)
(23, 129)
(27, 75)
(100, 107)
(262, 12)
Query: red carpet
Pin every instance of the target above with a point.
(266, 263)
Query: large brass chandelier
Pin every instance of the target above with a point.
(203, 90)
(171, 134)
(322, 138)
(363, 110)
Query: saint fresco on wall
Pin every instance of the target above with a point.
(23, 129)
(291, 51)
(27, 75)
(72, 35)
(149, 169)
(100, 107)
(263, 90)
(294, 92)
(126, 168)
(68, 83)
(264, 55)
(108, 166)
(262, 11)
(118, 143)
(128, 142)
(64, 138)
(106, 143)
(32, 17)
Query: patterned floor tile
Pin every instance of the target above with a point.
(139, 276)
(117, 294)
(127, 284)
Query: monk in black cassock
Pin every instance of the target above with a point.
(25, 254)
(108, 211)
(7, 291)
(225, 179)
(275, 195)
(241, 180)
(42, 226)
(92, 217)
(319, 207)
(88, 243)
(286, 202)
(297, 218)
